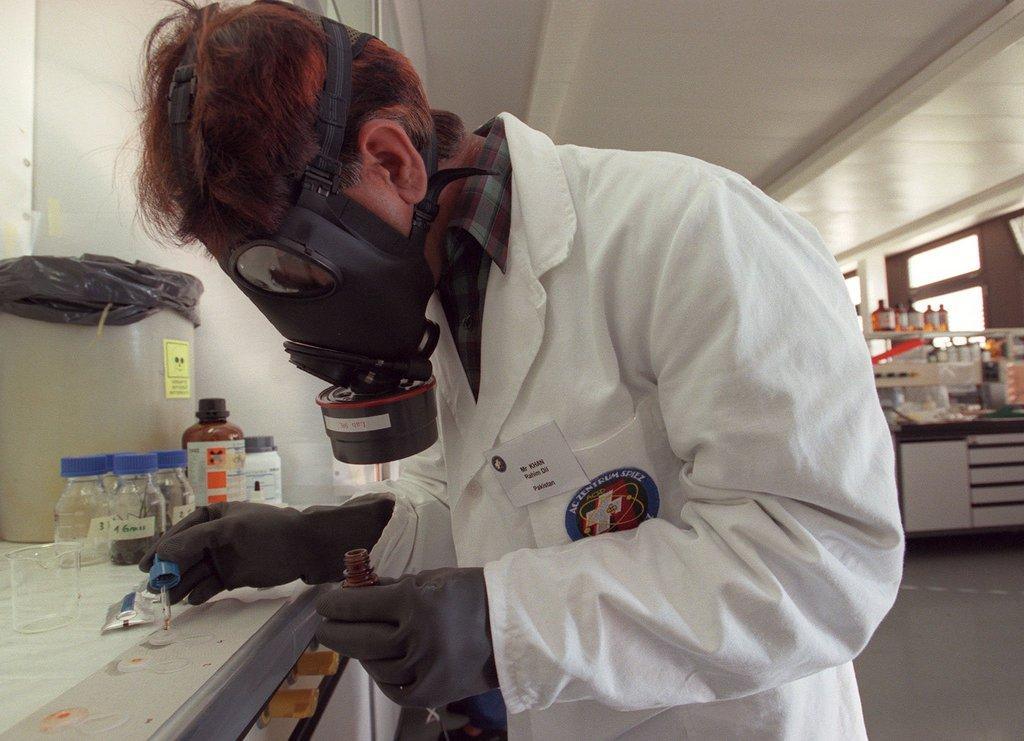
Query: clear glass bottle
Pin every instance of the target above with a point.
(82, 514)
(109, 477)
(170, 479)
(137, 508)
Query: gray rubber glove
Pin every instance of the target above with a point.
(425, 638)
(248, 544)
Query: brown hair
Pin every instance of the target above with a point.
(260, 69)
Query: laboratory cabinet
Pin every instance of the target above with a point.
(957, 477)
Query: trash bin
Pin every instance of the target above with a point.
(95, 357)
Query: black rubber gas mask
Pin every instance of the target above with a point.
(347, 290)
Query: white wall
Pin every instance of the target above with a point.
(874, 286)
(16, 85)
(87, 62)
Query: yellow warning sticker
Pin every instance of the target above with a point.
(12, 242)
(177, 384)
(54, 218)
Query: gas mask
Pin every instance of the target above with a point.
(347, 290)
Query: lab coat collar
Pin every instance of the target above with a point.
(542, 229)
(546, 219)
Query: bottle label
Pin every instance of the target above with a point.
(99, 528)
(182, 511)
(217, 471)
(263, 486)
(132, 528)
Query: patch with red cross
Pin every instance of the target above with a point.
(619, 499)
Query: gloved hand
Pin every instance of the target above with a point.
(248, 544)
(425, 638)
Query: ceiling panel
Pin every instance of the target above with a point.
(966, 140)
(758, 86)
(818, 62)
(480, 54)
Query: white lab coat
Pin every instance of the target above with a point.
(669, 317)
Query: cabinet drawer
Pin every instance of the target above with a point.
(997, 474)
(1011, 514)
(988, 494)
(1000, 439)
(934, 490)
(1014, 454)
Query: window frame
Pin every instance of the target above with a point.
(1001, 273)
(897, 267)
(947, 285)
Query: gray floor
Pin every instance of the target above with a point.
(948, 661)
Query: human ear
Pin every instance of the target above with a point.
(391, 160)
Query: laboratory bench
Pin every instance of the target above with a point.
(961, 476)
(255, 638)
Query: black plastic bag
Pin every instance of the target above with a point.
(78, 290)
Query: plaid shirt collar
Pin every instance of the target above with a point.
(477, 235)
(483, 210)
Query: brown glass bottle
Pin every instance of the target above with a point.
(931, 320)
(883, 319)
(212, 425)
(216, 454)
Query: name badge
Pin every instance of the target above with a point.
(535, 466)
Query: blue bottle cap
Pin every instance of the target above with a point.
(163, 575)
(85, 465)
(177, 458)
(126, 464)
(110, 460)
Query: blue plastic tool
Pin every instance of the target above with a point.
(164, 575)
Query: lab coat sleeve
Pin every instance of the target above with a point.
(788, 548)
(419, 534)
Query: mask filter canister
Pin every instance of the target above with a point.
(378, 428)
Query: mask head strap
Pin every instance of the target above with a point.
(343, 45)
(180, 97)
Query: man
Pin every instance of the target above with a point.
(673, 350)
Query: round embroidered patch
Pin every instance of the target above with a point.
(619, 499)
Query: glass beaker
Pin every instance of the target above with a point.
(45, 591)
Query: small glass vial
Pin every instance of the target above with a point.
(82, 514)
(170, 479)
(138, 513)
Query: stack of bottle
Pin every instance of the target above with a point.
(117, 505)
(901, 318)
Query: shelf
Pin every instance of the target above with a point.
(994, 332)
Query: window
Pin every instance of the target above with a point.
(948, 261)
(976, 273)
(966, 308)
(948, 274)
